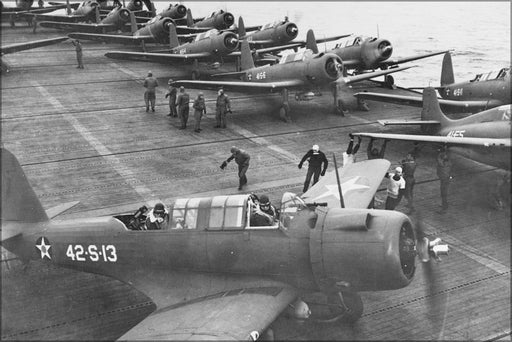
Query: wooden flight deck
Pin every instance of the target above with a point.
(84, 135)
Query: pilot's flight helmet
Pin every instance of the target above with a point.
(159, 209)
(235, 149)
(398, 170)
(264, 200)
(150, 73)
(315, 148)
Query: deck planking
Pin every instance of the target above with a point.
(83, 135)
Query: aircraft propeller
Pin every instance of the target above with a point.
(385, 49)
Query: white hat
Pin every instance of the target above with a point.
(315, 148)
(398, 169)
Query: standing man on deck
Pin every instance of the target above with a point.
(223, 106)
(183, 107)
(171, 94)
(316, 159)
(78, 48)
(150, 83)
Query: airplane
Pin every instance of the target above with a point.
(486, 90)
(25, 6)
(154, 31)
(212, 47)
(174, 11)
(6, 49)
(305, 71)
(219, 20)
(88, 12)
(117, 19)
(214, 276)
(368, 53)
(483, 137)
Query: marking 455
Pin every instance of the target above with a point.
(94, 253)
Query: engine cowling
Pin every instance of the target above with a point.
(174, 12)
(370, 250)
(374, 51)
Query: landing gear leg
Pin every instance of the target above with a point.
(349, 306)
(389, 81)
(195, 70)
(338, 103)
(362, 105)
(11, 20)
(284, 111)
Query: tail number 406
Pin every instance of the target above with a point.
(106, 253)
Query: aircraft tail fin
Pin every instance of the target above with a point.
(97, 16)
(246, 60)
(133, 22)
(19, 201)
(311, 41)
(190, 20)
(241, 28)
(173, 37)
(447, 70)
(431, 110)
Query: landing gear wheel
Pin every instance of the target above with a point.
(389, 81)
(284, 113)
(349, 306)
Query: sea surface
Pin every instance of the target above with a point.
(478, 32)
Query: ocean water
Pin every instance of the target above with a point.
(478, 32)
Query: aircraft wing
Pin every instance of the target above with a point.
(158, 57)
(112, 38)
(5, 49)
(229, 315)
(79, 27)
(486, 142)
(396, 61)
(259, 87)
(417, 101)
(359, 183)
(368, 75)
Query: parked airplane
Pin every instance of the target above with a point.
(486, 90)
(85, 12)
(6, 49)
(155, 31)
(117, 19)
(304, 71)
(483, 137)
(243, 276)
(212, 47)
(174, 11)
(219, 20)
(24, 7)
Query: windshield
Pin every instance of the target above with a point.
(291, 204)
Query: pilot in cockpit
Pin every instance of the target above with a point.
(265, 214)
(157, 218)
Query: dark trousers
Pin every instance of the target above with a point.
(220, 116)
(391, 202)
(197, 115)
(242, 169)
(445, 183)
(172, 106)
(312, 171)
(149, 97)
(409, 187)
(183, 112)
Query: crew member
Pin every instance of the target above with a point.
(349, 156)
(40, 3)
(242, 159)
(150, 83)
(223, 106)
(374, 152)
(199, 109)
(171, 94)
(444, 169)
(183, 107)
(396, 188)
(265, 214)
(78, 48)
(316, 159)
(409, 167)
(157, 217)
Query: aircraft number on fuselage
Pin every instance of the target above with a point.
(105, 253)
(458, 91)
(456, 134)
(261, 75)
(183, 51)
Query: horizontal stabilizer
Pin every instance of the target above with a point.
(408, 122)
(59, 209)
(436, 139)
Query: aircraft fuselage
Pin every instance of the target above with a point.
(279, 34)
(217, 44)
(367, 52)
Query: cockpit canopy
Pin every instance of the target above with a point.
(296, 57)
(206, 35)
(501, 74)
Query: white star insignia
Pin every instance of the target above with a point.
(346, 187)
(44, 246)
